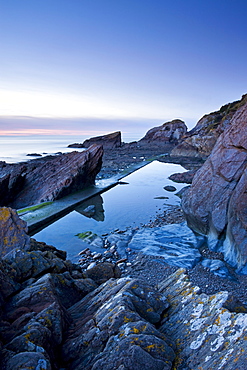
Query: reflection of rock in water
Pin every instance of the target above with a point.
(92, 208)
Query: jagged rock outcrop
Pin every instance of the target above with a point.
(215, 204)
(109, 141)
(168, 133)
(49, 178)
(114, 329)
(200, 141)
(34, 311)
(206, 334)
(13, 231)
(52, 316)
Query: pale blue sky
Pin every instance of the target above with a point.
(137, 63)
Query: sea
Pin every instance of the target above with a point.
(14, 149)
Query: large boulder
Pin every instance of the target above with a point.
(215, 204)
(109, 141)
(169, 132)
(200, 141)
(49, 178)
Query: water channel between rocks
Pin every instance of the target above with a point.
(126, 208)
(127, 205)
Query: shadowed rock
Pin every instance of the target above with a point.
(49, 178)
(92, 208)
(13, 231)
(183, 177)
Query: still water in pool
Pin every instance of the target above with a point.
(127, 205)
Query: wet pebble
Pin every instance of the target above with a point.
(97, 256)
(83, 251)
(92, 264)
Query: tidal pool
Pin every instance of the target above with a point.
(131, 204)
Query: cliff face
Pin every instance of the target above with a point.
(199, 142)
(215, 204)
(49, 178)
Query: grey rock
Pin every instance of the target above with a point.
(170, 188)
(8, 282)
(207, 335)
(218, 267)
(28, 360)
(114, 319)
(102, 272)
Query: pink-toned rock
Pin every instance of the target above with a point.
(183, 177)
(215, 204)
(13, 231)
(199, 142)
(49, 178)
(169, 132)
(109, 141)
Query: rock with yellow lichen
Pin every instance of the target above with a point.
(13, 231)
(53, 316)
(114, 329)
(207, 335)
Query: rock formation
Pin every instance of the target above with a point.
(49, 178)
(52, 316)
(109, 141)
(169, 132)
(13, 232)
(200, 141)
(206, 334)
(215, 204)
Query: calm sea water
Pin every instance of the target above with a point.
(15, 148)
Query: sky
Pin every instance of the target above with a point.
(103, 65)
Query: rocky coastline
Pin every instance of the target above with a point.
(135, 311)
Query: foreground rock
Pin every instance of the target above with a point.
(206, 334)
(109, 141)
(48, 178)
(13, 232)
(199, 142)
(215, 205)
(114, 329)
(52, 316)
